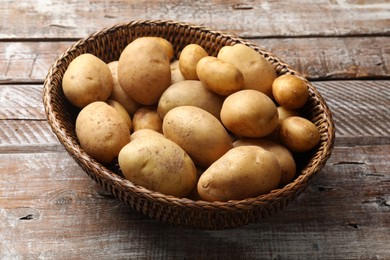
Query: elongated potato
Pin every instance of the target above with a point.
(243, 172)
(198, 132)
(189, 58)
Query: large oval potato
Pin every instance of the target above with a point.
(189, 93)
(189, 58)
(284, 156)
(258, 72)
(144, 70)
(158, 164)
(249, 113)
(101, 131)
(198, 132)
(220, 77)
(243, 172)
(87, 79)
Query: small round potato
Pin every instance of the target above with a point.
(101, 131)
(122, 112)
(176, 75)
(220, 77)
(284, 156)
(189, 58)
(299, 134)
(258, 72)
(87, 79)
(158, 164)
(189, 93)
(249, 113)
(290, 91)
(147, 117)
(118, 94)
(198, 132)
(243, 172)
(144, 70)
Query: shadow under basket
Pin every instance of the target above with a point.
(108, 44)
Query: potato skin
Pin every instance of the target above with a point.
(290, 91)
(299, 134)
(220, 77)
(158, 164)
(101, 131)
(87, 79)
(144, 70)
(176, 75)
(198, 132)
(258, 72)
(146, 117)
(122, 112)
(283, 155)
(189, 58)
(189, 93)
(249, 113)
(243, 172)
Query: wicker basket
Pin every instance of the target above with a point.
(107, 44)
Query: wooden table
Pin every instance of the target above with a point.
(50, 209)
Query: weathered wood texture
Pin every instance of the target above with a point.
(75, 19)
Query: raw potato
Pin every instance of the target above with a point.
(158, 164)
(283, 114)
(101, 131)
(243, 172)
(189, 58)
(284, 156)
(176, 75)
(299, 134)
(144, 132)
(189, 93)
(118, 94)
(198, 132)
(122, 112)
(221, 77)
(87, 79)
(290, 91)
(249, 113)
(147, 117)
(258, 72)
(144, 70)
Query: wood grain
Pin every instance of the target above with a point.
(62, 19)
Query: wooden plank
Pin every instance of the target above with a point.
(315, 58)
(59, 212)
(63, 19)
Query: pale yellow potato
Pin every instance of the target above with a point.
(158, 164)
(101, 131)
(118, 94)
(258, 72)
(220, 77)
(290, 91)
(144, 132)
(87, 79)
(176, 75)
(122, 112)
(167, 45)
(144, 70)
(189, 93)
(189, 58)
(147, 117)
(284, 156)
(299, 134)
(243, 172)
(249, 113)
(198, 132)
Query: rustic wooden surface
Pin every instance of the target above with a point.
(50, 209)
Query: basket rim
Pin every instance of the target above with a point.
(74, 149)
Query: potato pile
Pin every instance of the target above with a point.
(202, 127)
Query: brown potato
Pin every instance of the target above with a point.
(249, 113)
(299, 134)
(189, 58)
(122, 112)
(144, 70)
(176, 75)
(198, 132)
(189, 93)
(147, 117)
(220, 77)
(284, 156)
(243, 172)
(101, 131)
(87, 79)
(290, 91)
